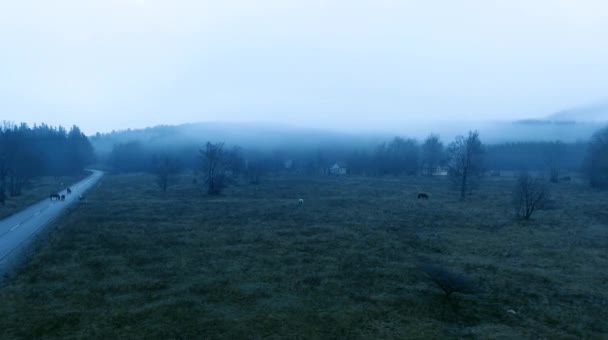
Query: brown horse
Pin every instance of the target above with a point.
(423, 196)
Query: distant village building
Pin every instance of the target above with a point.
(338, 169)
(440, 171)
(288, 164)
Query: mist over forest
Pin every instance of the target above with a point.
(559, 141)
(277, 169)
(575, 125)
(518, 145)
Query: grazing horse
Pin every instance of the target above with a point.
(56, 196)
(69, 191)
(423, 196)
(63, 197)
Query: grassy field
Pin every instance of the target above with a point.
(133, 263)
(37, 189)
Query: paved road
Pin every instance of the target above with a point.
(17, 230)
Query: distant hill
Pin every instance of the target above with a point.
(591, 113)
(569, 126)
(248, 135)
(544, 130)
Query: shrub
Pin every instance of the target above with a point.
(530, 194)
(448, 281)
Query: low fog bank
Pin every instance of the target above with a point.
(569, 125)
(251, 150)
(268, 137)
(514, 146)
(258, 136)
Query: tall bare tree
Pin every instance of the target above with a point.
(212, 160)
(164, 169)
(529, 195)
(234, 161)
(255, 169)
(596, 163)
(553, 158)
(432, 154)
(465, 161)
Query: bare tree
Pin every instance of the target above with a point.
(553, 158)
(529, 195)
(255, 169)
(212, 159)
(465, 161)
(235, 162)
(432, 154)
(596, 163)
(165, 169)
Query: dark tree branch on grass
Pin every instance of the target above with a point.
(448, 281)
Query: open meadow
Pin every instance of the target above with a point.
(133, 262)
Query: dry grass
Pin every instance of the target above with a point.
(253, 264)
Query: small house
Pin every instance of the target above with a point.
(288, 164)
(440, 171)
(338, 169)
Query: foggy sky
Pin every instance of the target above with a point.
(347, 65)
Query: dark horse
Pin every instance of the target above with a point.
(56, 196)
(423, 196)
(69, 191)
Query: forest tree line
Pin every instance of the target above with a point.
(396, 157)
(28, 152)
